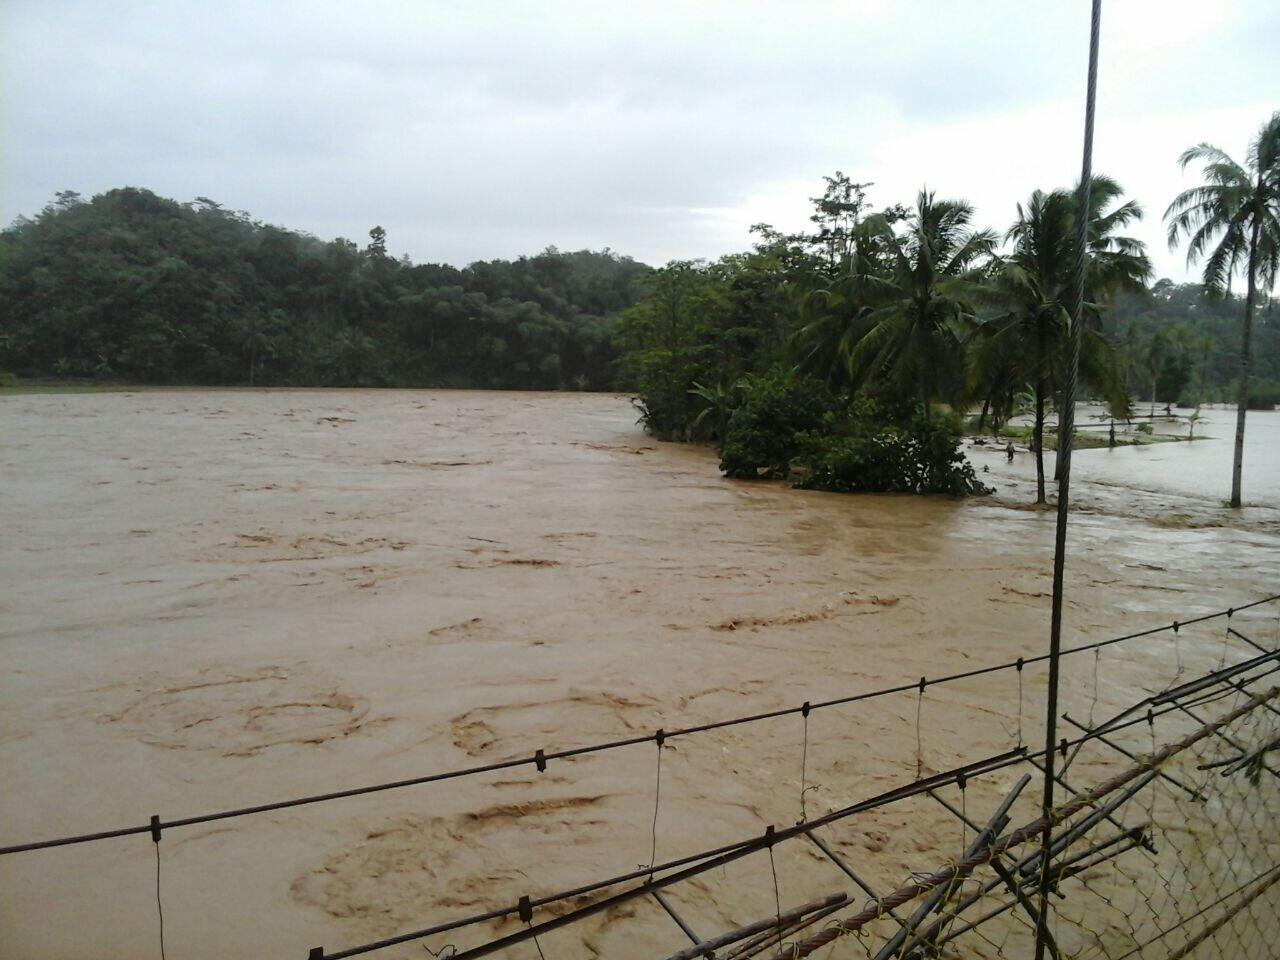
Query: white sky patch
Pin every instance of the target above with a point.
(490, 129)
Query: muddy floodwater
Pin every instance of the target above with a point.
(212, 599)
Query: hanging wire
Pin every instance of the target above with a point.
(777, 895)
(1151, 794)
(537, 945)
(717, 858)
(1097, 655)
(804, 759)
(159, 903)
(525, 911)
(659, 738)
(1177, 652)
(1020, 701)
(919, 741)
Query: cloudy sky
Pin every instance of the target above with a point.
(490, 129)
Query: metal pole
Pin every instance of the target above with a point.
(1193, 793)
(938, 898)
(1009, 880)
(1066, 427)
(671, 912)
(848, 871)
(707, 947)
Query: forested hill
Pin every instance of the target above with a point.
(133, 286)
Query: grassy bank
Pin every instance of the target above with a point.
(1084, 439)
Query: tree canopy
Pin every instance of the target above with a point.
(133, 286)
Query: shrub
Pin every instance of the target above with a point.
(870, 452)
(663, 410)
(766, 429)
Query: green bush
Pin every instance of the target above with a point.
(766, 429)
(868, 451)
(664, 410)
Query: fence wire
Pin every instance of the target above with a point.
(1173, 857)
(1210, 812)
(909, 852)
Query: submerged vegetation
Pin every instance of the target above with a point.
(843, 357)
(901, 318)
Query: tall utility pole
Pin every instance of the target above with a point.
(1067, 422)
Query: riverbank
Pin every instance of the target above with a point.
(223, 597)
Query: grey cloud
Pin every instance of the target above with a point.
(489, 129)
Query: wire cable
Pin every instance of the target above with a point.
(540, 758)
(159, 903)
(697, 863)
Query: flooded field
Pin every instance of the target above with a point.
(1196, 474)
(220, 598)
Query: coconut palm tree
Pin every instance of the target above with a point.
(1232, 222)
(1025, 337)
(835, 317)
(911, 336)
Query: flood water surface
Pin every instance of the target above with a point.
(219, 598)
(1201, 468)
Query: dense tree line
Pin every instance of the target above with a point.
(825, 355)
(873, 332)
(136, 287)
(1181, 345)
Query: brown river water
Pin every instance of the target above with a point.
(219, 598)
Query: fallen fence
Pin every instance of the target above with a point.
(1182, 832)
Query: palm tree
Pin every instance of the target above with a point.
(1026, 338)
(834, 318)
(916, 313)
(1232, 220)
(257, 336)
(1155, 359)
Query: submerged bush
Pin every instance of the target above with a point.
(867, 451)
(662, 412)
(766, 429)
(785, 421)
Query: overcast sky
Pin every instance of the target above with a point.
(476, 130)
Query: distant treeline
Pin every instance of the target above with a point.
(132, 286)
(135, 287)
(1182, 345)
